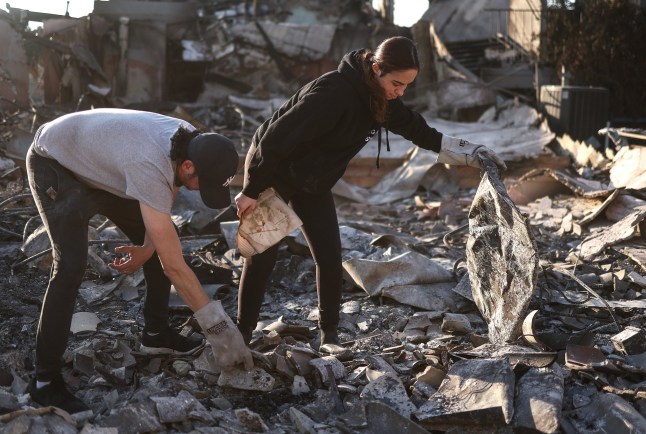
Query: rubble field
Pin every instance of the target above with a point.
(425, 352)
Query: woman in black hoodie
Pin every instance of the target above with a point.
(304, 149)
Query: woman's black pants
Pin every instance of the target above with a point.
(321, 230)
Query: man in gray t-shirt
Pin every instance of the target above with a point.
(128, 166)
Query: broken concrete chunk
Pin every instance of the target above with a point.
(91, 292)
(456, 323)
(250, 420)
(135, 418)
(8, 402)
(181, 367)
(300, 386)
(630, 341)
(539, 399)
(206, 361)
(431, 376)
(351, 307)
(389, 390)
(382, 419)
(378, 367)
(175, 408)
(303, 423)
(84, 360)
(637, 278)
(128, 292)
(88, 428)
(283, 367)
(254, 379)
(476, 393)
(18, 385)
(608, 413)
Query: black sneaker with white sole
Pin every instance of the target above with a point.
(57, 395)
(170, 341)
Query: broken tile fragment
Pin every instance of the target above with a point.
(300, 358)
(631, 340)
(321, 364)
(299, 385)
(84, 322)
(255, 379)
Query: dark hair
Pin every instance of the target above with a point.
(179, 143)
(396, 54)
(393, 54)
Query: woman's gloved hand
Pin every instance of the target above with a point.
(460, 152)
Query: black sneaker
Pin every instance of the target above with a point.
(57, 395)
(169, 341)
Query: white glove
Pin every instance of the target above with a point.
(460, 152)
(228, 345)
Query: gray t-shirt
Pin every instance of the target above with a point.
(124, 152)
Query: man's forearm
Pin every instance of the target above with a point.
(189, 288)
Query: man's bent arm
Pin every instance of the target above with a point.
(229, 348)
(161, 232)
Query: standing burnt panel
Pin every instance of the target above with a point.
(501, 258)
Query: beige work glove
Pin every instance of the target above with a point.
(460, 152)
(229, 347)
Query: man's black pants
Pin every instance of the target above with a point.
(66, 205)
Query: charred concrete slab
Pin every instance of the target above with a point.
(382, 419)
(476, 393)
(539, 399)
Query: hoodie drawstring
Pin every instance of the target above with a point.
(379, 144)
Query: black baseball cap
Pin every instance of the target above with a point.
(216, 162)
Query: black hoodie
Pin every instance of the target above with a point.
(308, 142)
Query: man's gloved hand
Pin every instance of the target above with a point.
(229, 348)
(460, 152)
